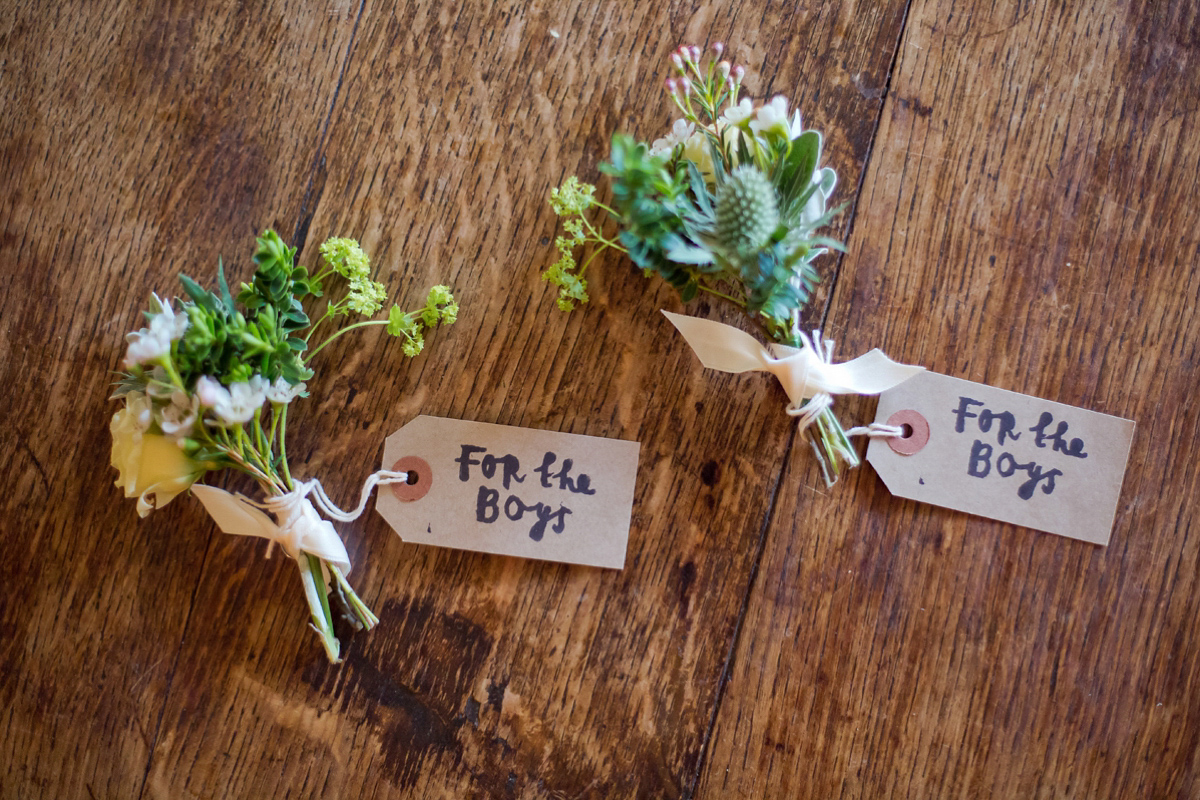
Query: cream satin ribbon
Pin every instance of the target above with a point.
(297, 526)
(806, 373)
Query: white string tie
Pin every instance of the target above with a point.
(877, 430)
(293, 498)
(297, 526)
(810, 410)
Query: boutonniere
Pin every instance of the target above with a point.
(206, 386)
(732, 202)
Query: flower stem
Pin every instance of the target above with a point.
(318, 603)
(735, 301)
(346, 329)
(600, 205)
(826, 435)
(283, 462)
(352, 601)
(831, 446)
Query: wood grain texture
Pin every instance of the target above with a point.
(493, 677)
(1027, 220)
(136, 141)
(1024, 219)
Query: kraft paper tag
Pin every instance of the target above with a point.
(512, 491)
(1004, 455)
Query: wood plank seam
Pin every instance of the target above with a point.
(300, 233)
(772, 502)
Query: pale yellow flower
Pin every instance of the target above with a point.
(152, 467)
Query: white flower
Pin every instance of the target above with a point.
(174, 323)
(245, 399)
(144, 346)
(153, 342)
(283, 392)
(679, 133)
(234, 405)
(179, 418)
(735, 115)
(697, 150)
(797, 127)
(211, 393)
(772, 117)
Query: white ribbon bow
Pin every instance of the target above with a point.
(297, 526)
(806, 372)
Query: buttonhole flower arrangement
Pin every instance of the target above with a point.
(206, 386)
(730, 202)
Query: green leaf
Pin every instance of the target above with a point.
(200, 296)
(796, 174)
(226, 298)
(743, 152)
(684, 253)
(718, 161)
(828, 181)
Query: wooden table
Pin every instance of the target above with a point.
(1022, 188)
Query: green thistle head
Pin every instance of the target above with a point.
(747, 211)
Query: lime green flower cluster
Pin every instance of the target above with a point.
(364, 296)
(440, 307)
(572, 200)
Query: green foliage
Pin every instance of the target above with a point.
(661, 226)
(440, 307)
(223, 342)
(732, 205)
(346, 258)
(731, 202)
(217, 376)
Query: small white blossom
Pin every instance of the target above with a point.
(772, 117)
(144, 346)
(154, 341)
(211, 393)
(797, 126)
(679, 134)
(179, 418)
(234, 405)
(245, 399)
(140, 411)
(283, 392)
(736, 115)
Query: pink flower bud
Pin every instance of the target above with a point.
(694, 52)
(739, 72)
(687, 84)
(677, 61)
(724, 66)
(718, 48)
